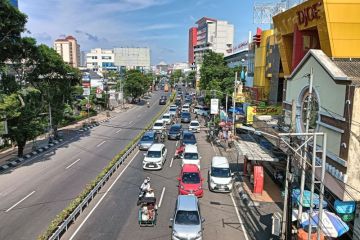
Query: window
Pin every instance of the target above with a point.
(191, 178)
(187, 218)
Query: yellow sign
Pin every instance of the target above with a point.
(251, 111)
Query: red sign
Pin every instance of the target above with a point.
(88, 105)
(98, 91)
(86, 84)
(308, 14)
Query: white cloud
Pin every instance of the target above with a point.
(159, 26)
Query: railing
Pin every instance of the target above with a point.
(72, 217)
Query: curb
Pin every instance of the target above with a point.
(244, 197)
(16, 161)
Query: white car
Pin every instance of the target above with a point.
(191, 156)
(173, 111)
(185, 108)
(220, 176)
(167, 118)
(194, 126)
(159, 126)
(155, 157)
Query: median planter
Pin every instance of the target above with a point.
(56, 227)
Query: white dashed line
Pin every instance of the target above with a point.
(161, 197)
(101, 143)
(171, 162)
(72, 164)
(118, 130)
(20, 201)
(102, 198)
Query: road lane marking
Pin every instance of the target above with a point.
(102, 198)
(177, 143)
(20, 201)
(72, 164)
(118, 130)
(239, 218)
(171, 162)
(101, 143)
(161, 197)
(214, 148)
(130, 122)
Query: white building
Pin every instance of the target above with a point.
(215, 35)
(99, 60)
(132, 58)
(69, 50)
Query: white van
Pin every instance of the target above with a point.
(191, 156)
(220, 176)
(185, 108)
(155, 157)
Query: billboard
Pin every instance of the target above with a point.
(251, 111)
(214, 106)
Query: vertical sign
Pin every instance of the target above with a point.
(214, 107)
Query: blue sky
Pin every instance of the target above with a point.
(161, 25)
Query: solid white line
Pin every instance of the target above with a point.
(130, 122)
(20, 201)
(102, 198)
(239, 218)
(118, 130)
(161, 197)
(171, 162)
(177, 143)
(72, 164)
(101, 143)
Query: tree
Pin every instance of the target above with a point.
(135, 83)
(191, 78)
(175, 76)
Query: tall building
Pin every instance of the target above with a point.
(14, 3)
(212, 34)
(99, 60)
(192, 44)
(132, 58)
(69, 50)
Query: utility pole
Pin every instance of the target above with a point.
(287, 210)
(305, 155)
(234, 97)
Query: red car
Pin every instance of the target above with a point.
(190, 181)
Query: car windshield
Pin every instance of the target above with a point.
(153, 154)
(191, 156)
(146, 138)
(187, 218)
(158, 124)
(174, 129)
(189, 137)
(191, 178)
(194, 124)
(185, 114)
(166, 117)
(220, 172)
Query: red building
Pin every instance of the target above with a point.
(192, 43)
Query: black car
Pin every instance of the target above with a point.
(175, 132)
(162, 101)
(185, 117)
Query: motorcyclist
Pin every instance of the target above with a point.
(148, 104)
(145, 186)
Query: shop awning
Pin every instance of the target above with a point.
(253, 151)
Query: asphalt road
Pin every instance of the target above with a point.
(114, 214)
(31, 195)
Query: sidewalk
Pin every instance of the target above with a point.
(42, 142)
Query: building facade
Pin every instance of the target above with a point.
(214, 35)
(99, 60)
(192, 44)
(69, 50)
(132, 58)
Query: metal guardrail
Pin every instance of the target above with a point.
(72, 217)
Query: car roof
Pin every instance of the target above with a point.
(166, 114)
(187, 203)
(219, 161)
(187, 132)
(156, 147)
(186, 105)
(190, 168)
(176, 125)
(194, 121)
(191, 148)
(159, 121)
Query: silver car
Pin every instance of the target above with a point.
(187, 221)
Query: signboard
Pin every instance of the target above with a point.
(214, 106)
(88, 105)
(98, 95)
(251, 111)
(86, 91)
(98, 90)
(308, 14)
(86, 84)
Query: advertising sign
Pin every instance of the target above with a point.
(214, 106)
(86, 91)
(251, 111)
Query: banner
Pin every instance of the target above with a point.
(86, 91)
(251, 111)
(214, 106)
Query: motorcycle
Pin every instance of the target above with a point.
(144, 188)
(148, 104)
(179, 152)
